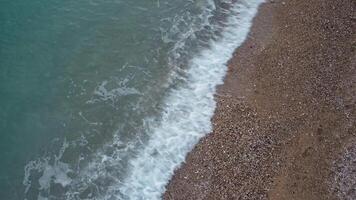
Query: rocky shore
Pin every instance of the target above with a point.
(285, 124)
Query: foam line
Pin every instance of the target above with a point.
(188, 111)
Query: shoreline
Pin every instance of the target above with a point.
(285, 113)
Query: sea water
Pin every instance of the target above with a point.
(102, 99)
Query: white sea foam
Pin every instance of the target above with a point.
(188, 111)
(101, 93)
(186, 118)
(57, 172)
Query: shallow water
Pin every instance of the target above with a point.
(103, 99)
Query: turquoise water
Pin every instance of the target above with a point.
(86, 86)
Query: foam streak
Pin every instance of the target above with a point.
(188, 111)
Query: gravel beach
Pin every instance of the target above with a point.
(285, 123)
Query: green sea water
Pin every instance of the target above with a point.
(102, 99)
(79, 72)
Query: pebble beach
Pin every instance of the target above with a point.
(285, 123)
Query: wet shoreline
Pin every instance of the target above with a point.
(285, 113)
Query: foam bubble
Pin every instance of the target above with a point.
(57, 172)
(101, 93)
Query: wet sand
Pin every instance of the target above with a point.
(285, 123)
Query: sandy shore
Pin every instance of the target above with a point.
(285, 125)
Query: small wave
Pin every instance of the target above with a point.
(188, 111)
(137, 168)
